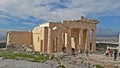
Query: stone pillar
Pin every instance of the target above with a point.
(50, 41)
(77, 44)
(45, 39)
(85, 39)
(88, 39)
(42, 46)
(81, 39)
(69, 41)
(60, 44)
(63, 39)
(93, 40)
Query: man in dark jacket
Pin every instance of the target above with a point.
(115, 54)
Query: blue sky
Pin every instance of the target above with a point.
(26, 14)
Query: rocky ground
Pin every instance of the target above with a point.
(10, 63)
(69, 61)
(107, 62)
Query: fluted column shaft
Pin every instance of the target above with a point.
(81, 46)
(88, 39)
(93, 40)
(50, 44)
(69, 41)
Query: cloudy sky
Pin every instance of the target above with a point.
(26, 14)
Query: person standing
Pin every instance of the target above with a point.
(115, 54)
(111, 52)
(107, 52)
(80, 51)
(87, 53)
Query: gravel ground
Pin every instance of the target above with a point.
(10, 63)
(68, 61)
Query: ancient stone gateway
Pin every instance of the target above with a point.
(52, 37)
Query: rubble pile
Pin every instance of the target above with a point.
(25, 48)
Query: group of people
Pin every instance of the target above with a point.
(72, 49)
(112, 53)
(109, 52)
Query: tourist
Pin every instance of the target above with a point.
(119, 54)
(107, 52)
(87, 53)
(80, 51)
(73, 51)
(64, 49)
(115, 54)
(111, 52)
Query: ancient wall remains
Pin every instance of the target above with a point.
(18, 38)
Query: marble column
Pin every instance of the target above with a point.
(69, 41)
(50, 41)
(81, 39)
(59, 48)
(45, 39)
(93, 40)
(88, 39)
(85, 39)
(63, 39)
(77, 44)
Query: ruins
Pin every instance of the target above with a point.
(18, 38)
(53, 37)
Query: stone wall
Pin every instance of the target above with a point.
(38, 39)
(18, 38)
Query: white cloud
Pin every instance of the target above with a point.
(3, 31)
(40, 9)
(29, 23)
(4, 16)
(43, 9)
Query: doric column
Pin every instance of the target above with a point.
(81, 39)
(85, 39)
(63, 39)
(88, 39)
(93, 40)
(60, 44)
(77, 44)
(69, 41)
(45, 39)
(50, 41)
